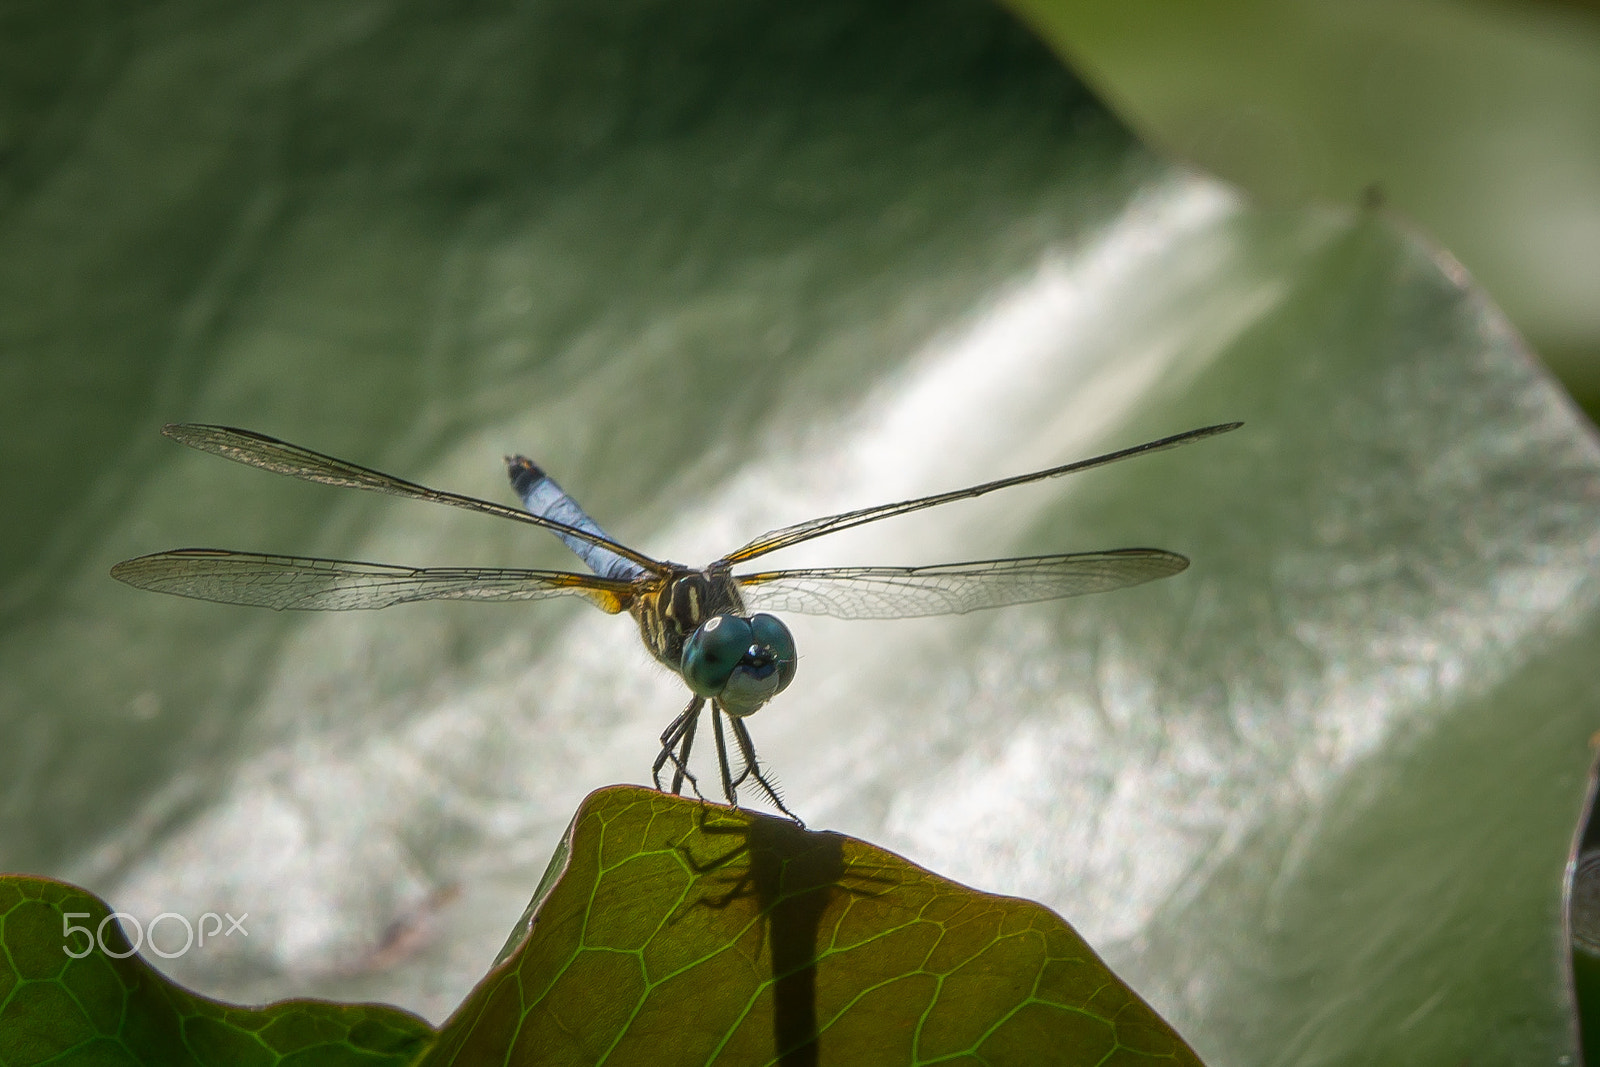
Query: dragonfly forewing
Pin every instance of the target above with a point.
(281, 457)
(805, 531)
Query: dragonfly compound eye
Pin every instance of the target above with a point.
(765, 669)
(743, 663)
(773, 636)
(713, 651)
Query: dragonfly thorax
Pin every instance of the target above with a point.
(669, 613)
(695, 623)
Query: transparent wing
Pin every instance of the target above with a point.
(805, 531)
(952, 588)
(280, 457)
(344, 585)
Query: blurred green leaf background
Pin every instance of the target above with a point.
(1473, 118)
(723, 267)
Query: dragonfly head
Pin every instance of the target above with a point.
(740, 662)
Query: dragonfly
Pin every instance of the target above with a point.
(707, 624)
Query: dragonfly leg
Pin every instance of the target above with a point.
(744, 771)
(722, 755)
(680, 760)
(669, 738)
(753, 769)
(676, 741)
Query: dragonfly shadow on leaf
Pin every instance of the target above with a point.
(791, 878)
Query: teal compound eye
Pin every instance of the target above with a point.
(742, 663)
(771, 634)
(713, 651)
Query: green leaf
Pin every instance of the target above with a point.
(681, 933)
(1475, 120)
(72, 991)
(667, 931)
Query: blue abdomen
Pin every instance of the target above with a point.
(541, 496)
